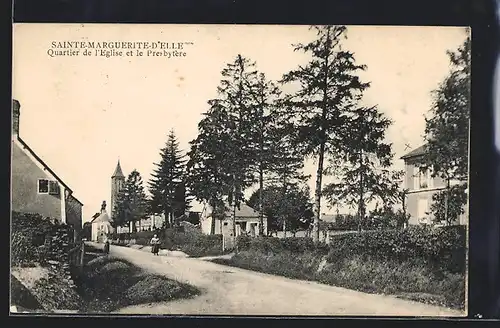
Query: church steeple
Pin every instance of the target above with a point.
(117, 182)
(118, 171)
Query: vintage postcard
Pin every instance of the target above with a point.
(240, 170)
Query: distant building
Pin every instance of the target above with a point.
(150, 222)
(36, 188)
(421, 187)
(117, 183)
(101, 225)
(247, 221)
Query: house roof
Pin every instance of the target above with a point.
(32, 152)
(245, 211)
(416, 152)
(118, 171)
(103, 217)
(94, 217)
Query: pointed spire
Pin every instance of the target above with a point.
(118, 171)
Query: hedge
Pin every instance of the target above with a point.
(35, 239)
(443, 249)
(190, 241)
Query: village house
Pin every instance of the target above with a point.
(102, 225)
(247, 221)
(421, 187)
(36, 188)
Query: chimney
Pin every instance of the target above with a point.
(15, 116)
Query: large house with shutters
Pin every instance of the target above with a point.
(421, 187)
(36, 188)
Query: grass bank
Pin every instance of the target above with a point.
(108, 283)
(425, 266)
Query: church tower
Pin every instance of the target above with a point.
(117, 182)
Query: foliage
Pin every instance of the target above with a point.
(131, 205)
(452, 200)
(418, 263)
(262, 136)
(57, 292)
(276, 245)
(441, 249)
(291, 210)
(364, 171)
(447, 131)
(327, 88)
(190, 241)
(344, 222)
(168, 185)
(207, 174)
(386, 218)
(35, 239)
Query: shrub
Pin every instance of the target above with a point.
(443, 249)
(35, 239)
(191, 240)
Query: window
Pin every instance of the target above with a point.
(424, 179)
(421, 178)
(43, 186)
(53, 188)
(48, 187)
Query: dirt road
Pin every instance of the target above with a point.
(234, 291)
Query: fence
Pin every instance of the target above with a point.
(76, 256)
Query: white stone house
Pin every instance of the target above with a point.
(101, 225)
(421, 187)
(247, 221)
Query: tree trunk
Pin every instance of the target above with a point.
(261, 192)
(317, 193)
(361, 205)
(212, 224)
(404, 209)
(446, 196)
(261, 167)
(319, 172)
(284, 228)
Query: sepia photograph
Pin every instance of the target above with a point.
(239, 170)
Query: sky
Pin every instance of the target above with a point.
(81, 114)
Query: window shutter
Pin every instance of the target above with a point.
(54, 188)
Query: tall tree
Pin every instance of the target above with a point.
(262, 118)
(327, 86)
(132, 202)
(207, 177)
(364, 171)
(167, 180)
(447, 131)
(236, 97)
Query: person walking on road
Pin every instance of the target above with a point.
(106, 244)
(155, 245)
